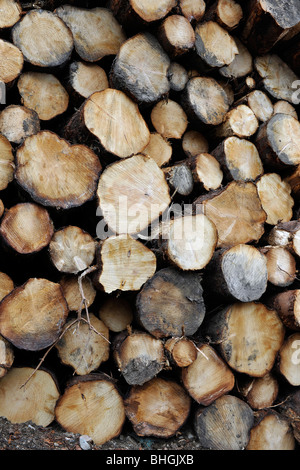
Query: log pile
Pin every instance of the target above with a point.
(150, 219)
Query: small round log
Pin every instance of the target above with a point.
(272, 432)
(116, 313)
(71, 181)
(27, 228)
(208, 377)
(12, 62)
(214, 44)
(43, 93)
(225, 424)
(36, 393)
(18, 122)
(32, 316)
(100, 33)
(289, 359)
(124, 264)
(78, 410)
(259, 392)
(72, 250)
(249, 336)
(34, 34)
(171, 303)
(139, 356)
(132, 193)
(84, 346)
(158, 408)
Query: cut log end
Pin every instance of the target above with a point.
(27, 228)
(250, 336)
(43, 93)
(37, 396)
(71, 181)
(139, 357)
(142, 182)
(163, 406)
(177, 307)
(214, 44)
(31, 36)
(124, 264)
(77, 409)
(210, 429)
(72, 250)
(43, 313)
(208, 377)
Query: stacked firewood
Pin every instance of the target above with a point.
(150, 218)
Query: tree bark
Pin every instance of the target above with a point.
(269, 22)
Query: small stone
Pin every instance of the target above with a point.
(85, 442)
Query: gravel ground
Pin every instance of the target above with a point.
(29, 436)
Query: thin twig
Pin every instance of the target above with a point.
(79, 319)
